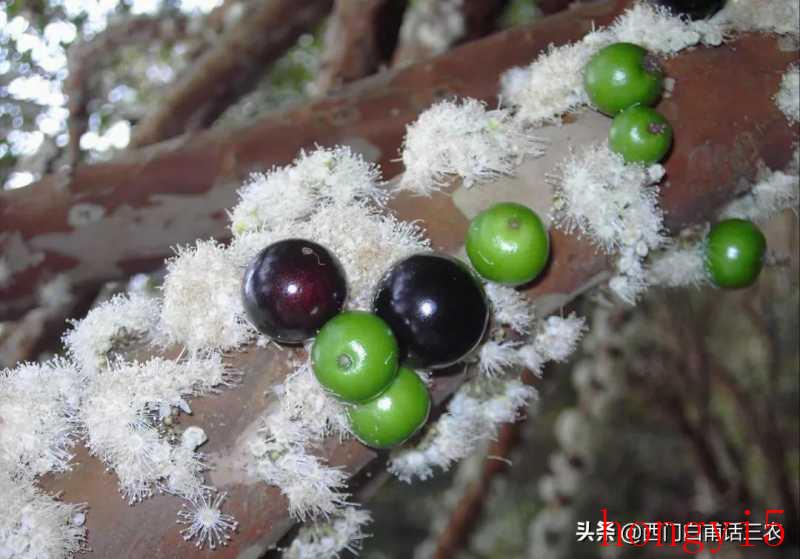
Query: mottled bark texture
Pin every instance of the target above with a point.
(719, 148)
(111, 220)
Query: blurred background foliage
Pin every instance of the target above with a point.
(41, 39)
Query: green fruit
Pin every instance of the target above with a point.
(640, 135)
(394, 416)
(621, 75)
(735, 253)
(508, 244)
(355, 356)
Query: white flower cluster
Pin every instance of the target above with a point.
(117, 414)
(788, 96)
(365, 241)
(482, 404)
(616, 205)
(36, 526)
(510, 307)
(202, 305)
(474, 414)
(464, 139)
(285, 194)
(553, 84)
(327, 539)
(204, 521)
(305, 414)
(679, 266)
(122, 317)
(38, 404)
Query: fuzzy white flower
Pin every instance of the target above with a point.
(311, 487)
(552, 85)
(474, 414)
(554, 81)
(303, 398)
(365, 241)
(36, 526)
(614, 203)
(771, 16)
(38, 404)
(510, 307)
(325, 539)
(555, 340)
(119, 319)
(205, 522)
(202, 305)
(285, 194)
(495, 358)
(117, 416)
(306, 414)
(776, 192)
(462, 139)
(788, 96)
(657, 30)
(679, 266)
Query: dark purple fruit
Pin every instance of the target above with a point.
(435, 307)
(292, 288)
(694, 9)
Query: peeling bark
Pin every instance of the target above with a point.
(177, 191)
(230, 68)
(719, 148)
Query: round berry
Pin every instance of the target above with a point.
(355, 356)
(640, 135)
(435, 306)
(621, 75)
(508, 244)
(291, 288)
(395, 416)
(694, 9)
(735, 253)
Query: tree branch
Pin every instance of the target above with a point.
(229, 69)
(114, 219)
(719, 146)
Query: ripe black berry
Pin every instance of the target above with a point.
(435, 307)
(292, 288)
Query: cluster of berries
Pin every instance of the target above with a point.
(624, 80)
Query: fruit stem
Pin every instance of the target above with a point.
(656, 128)
(513, 223)
(344, 361)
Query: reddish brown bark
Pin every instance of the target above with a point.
(175, 192)
(719, 147)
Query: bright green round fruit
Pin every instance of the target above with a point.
(394, 416)
(640, 135)
(508, 244)
(622, 75)
(355, 356)
(735, 253)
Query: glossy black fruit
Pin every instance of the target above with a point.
(292, 288)
(435, 307)
(694, 9)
